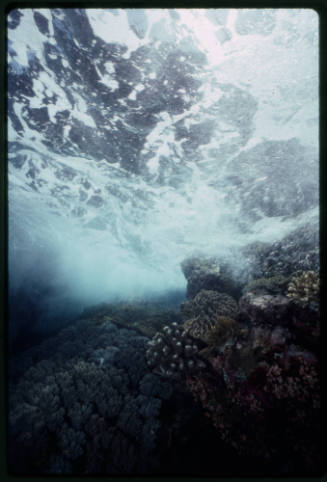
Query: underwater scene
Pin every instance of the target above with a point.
(163, 242)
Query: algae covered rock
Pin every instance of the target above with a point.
(265, 309)
(225, 329)
(146, 318)
(273, 285)
(204, 273)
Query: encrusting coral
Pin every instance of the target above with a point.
(256, 386)
(209, 305)
(273, 285)
(224, 329)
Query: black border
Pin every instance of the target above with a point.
(320, 6)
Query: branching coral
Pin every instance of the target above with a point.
(92, 409)
(304, 288)
(172, 353)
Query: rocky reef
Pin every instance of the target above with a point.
(258, 338)
(261, 387)
(204, 273)
(126, 388)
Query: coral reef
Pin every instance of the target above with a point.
(225, 329)
(262, 368)
(147, 318)
(90, 400)
(209, 304)
(172, 353)
(84, 402)
(259, 383)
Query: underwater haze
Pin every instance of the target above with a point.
(163, 191)
(138, 138)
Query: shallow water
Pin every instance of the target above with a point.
(137, 139)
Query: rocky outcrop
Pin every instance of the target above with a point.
(265, 308)
(261, 353)
(297, 251)
(204, 273)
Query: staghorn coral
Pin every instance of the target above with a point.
(172, 353)
(304, 288)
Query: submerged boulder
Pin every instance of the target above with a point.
(204, 273)
(265, 308)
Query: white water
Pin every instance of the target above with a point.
(133, 243)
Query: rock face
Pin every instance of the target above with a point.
(266, 309)
(208, 274)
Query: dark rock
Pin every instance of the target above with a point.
(208, 274)
(265, 308)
